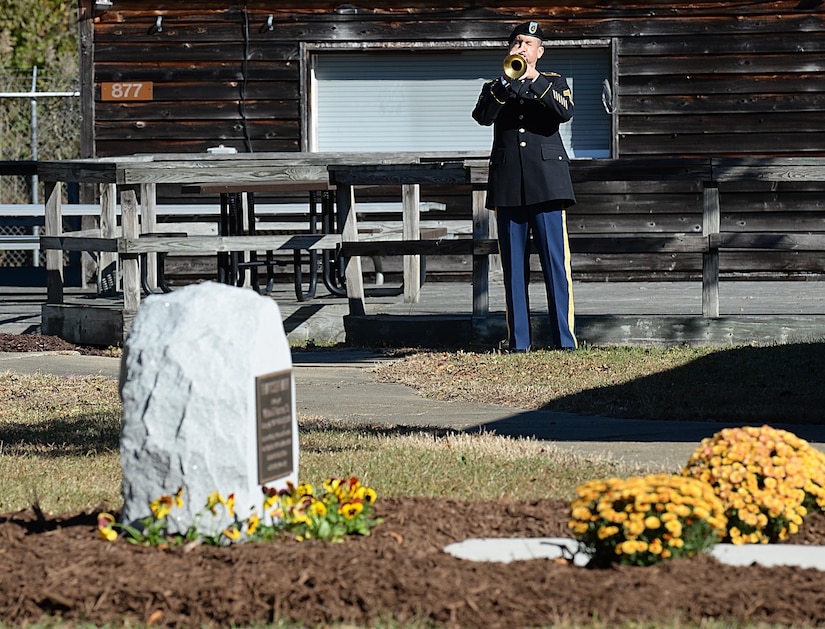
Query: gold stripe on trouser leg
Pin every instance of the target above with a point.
(568, 272)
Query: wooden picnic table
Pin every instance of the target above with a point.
(238, 218)
(240, 173)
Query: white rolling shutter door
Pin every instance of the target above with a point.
(422, 101)
(588, 133)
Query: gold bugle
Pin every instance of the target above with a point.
(514, 67)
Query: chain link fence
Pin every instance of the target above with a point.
(39, 120)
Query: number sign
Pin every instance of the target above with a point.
(141, 90)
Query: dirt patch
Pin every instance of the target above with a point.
(59, 567)
(46, 343)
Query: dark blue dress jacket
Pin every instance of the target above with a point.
(528, 163)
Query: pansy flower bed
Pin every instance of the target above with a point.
(342, 507)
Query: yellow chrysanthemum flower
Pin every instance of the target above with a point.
(633, 528)
(606, 531)
(578, 528)
(645, 504)
(580, 513)
(765, 477)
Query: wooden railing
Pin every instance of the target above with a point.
(18, 242)
(707, 173)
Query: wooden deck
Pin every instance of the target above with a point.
(627, 313)
(644, 313)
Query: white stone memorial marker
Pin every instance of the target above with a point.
(208, 404)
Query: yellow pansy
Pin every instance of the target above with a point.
(179, 498)
(213, 500)
(231, 533)
(104, 527)
(252, 523)
(351, 509)
(161, 507)
(317, 508)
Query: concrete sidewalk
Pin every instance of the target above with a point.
(339, 386)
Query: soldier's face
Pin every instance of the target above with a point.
(528, 47)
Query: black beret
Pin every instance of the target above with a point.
(527, 28)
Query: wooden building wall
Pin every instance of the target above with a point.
(690, 78)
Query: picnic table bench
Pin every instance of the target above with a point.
(138, 234)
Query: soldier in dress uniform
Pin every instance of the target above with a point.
(529, 186)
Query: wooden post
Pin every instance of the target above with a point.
(129, 261)
(86, 38)
(481, 263)
(711, 223)
(148, 225)
(345, 196)
(107, 265)
(54, 257)
(411, 230)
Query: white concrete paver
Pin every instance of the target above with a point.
(505, 550)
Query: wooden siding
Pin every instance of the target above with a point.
(728, 91)
(691, 78)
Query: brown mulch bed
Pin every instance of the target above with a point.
(56, 566)
(59, 567)
(46, 343)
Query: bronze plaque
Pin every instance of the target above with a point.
(275, 434)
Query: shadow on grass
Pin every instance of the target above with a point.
(346, 434)
(85, 434)
(777, 385)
